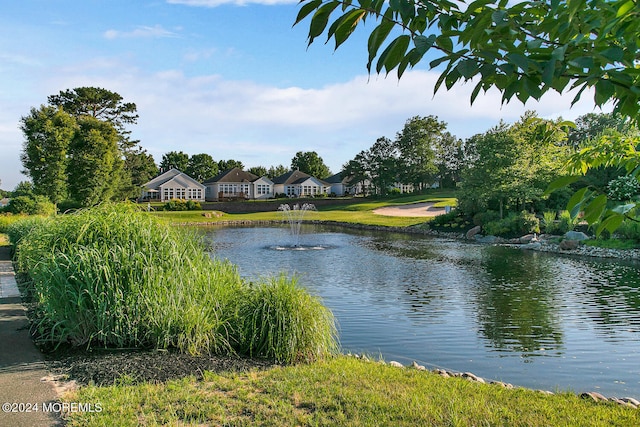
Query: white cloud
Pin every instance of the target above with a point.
(157, 31)
(266, 125)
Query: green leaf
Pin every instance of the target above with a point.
(610, 223)
(444, 43)
(623, 209)
(575, 202)
(377, 37)
(423, 44)
(613, 54)
(348, 24)
(519, 60)
(604, 91)
(307, 9)
(476, 91)
(560, 183)
(582, 62)
(320, 19)
(468, 68)
(393, 54)
(594, 209)
(625, 8)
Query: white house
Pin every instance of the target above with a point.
(300, 184)
(238, 184)
(173, 184)
(342, 185)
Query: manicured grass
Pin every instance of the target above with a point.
(339, 392)
(359, 212)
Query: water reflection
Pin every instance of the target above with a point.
(533, 319)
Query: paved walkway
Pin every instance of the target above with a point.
(21, 363)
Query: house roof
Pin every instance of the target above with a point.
(339, 178)
(173, 176)
(295, 177)
(233, 175)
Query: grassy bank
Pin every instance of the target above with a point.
(343, 392)
(360, 212)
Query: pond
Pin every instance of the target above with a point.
(537, 320)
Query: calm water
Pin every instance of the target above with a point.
(531, 319)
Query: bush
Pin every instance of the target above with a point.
(281, 321)
(7, 219)
(181, 205)
(629, 230)
(549, 222)
(514, 225)
(445, 219)
(482, 218)
(566, 223)
(31, 205)
(623, 188)
(114, 276)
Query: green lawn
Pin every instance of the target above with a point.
(360, 211)
(341, 392)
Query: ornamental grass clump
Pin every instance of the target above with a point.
(281, 321)
(114, 276)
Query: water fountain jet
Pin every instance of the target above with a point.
(294, 215)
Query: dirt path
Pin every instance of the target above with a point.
(425, 209)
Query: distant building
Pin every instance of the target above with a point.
(172, 184)
(300, 184)
(238, 184)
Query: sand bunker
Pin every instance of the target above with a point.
(425, 209)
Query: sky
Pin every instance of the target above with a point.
(231, 78)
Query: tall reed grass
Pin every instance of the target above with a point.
(114, 276)
(282, 321)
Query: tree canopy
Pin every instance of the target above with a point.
(310, 162)
(68, 148)
(523, 49)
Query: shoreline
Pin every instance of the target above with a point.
(540, 246)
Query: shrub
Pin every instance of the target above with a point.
(31, 205)
(623, 188)
(7, 219)
(482, 218)
(445, 219)
(629, 230)
(549, 222)
(114, 276)
(566, 223)
(182, 205)
(281, 321)
(515, 224)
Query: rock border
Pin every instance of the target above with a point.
(629, 402)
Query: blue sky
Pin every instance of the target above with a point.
(232, 79)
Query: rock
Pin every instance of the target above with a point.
(396, 364)
(528, 238)
(471, 233)
(415, 365)
(472, 377)
(594, 395)
(534, 246)
(486, 239)
(631, 400)
(442, 373)
(575, 235)
(568, 245)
